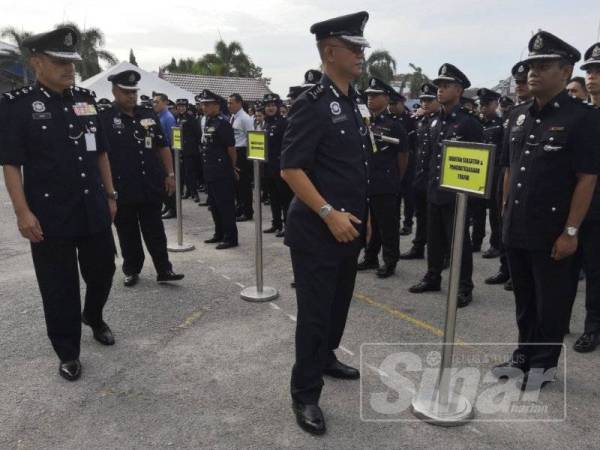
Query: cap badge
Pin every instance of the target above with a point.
(336, 109)
(538, 43)
(520, 120)
(443, 70)
(596, 52)
(426, 89)
(132, 78)
(373, 82)
(521, 68)
(38, 106)
(310, 77)
(69, 39)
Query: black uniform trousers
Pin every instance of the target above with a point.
(440, 224)
(477, 213)
(420, 239)
(495, 205)
(193, 173)
(55, 262)
(132, 217)
(244, 184)
(544, 293)
(588, 258)
(324, 287)
(280, 196)
(504, 267)
(407, 192)
(385, 229)
(221, 202)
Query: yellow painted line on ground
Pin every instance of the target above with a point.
(189, 320)
(402, 315)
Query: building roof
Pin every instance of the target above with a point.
(251, 89)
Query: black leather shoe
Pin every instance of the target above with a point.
(164, 210)
(536, 378)
(102, 332)
(508, 286)
(425, 285)
(491, 253)
(169, 276)
(499, 278)
(476, 246)
(170, 214)
(464, 298)
(510, 369)
(367, 265)
(186, 196)
(405, 231)
(386, 271)
(202, 203)
(70, 370)
(196, 198)
(280, 233)
(243, 218)
(340, 370)
(131, 280)
(586, 343)
(413, 253)
(226, 245)
(272, 230)
(309, 417)
(213, 240)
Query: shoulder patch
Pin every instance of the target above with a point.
(315, 92)
(84, 91)
(17, 93)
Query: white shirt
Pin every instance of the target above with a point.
(242, 123)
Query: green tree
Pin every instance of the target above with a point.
(132, 59)
(379, 64)
(9, 58)
(91, 41)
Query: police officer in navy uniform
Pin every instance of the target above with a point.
(279, 193)
(552, 164)
(191, 134)
(590, 229)
(64, 201)
(398, 109)
(387, 162)
(429, 109)
(142, 170)
(324, 160)
(493, 133)
(456, 124)
(218, 163)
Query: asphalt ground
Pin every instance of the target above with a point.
(197, 367)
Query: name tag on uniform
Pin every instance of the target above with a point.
(148, 142)
(147, 122)
(90, 142)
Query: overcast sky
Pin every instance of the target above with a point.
(483, 38)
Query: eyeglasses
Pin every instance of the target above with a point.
(357, 50)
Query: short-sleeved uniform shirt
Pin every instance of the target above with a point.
(137, 169)
(384, 171)
(191, 134)
(546, 149)
(217, 137)
(326, 136)
(493, 133)
(455, 125)
(56, 138)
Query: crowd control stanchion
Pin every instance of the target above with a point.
(180, 246)
(467, 170)
(257, 152)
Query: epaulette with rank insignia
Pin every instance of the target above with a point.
(84, 91)
(17, 93)
(315, 92)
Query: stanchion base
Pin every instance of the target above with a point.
(426, 406)
(180, 248)
(251, 294)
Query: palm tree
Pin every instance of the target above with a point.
(379, 64)
(90, 43)
(11, 58)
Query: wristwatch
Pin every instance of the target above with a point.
(113, 195)
(171, 175)
(325, 210)
(571, 231)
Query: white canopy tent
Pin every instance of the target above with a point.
(150, 82)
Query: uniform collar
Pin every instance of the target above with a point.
(450, 114)
(556, 103)
(48, 93)
(330, 86)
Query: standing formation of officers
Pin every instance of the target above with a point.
(338, 170)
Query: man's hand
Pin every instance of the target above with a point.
(564, 247)
(340, 225)
(112, 207)
(170, 185)
(29, 227)
(369, 229)
(236, 173)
